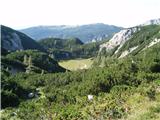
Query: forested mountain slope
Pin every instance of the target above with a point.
(30, 61)
(72, 48)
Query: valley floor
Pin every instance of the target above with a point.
(76, 64)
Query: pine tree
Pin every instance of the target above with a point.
(30, 61)
(42, 72)
(71, 49)
(55, 42)
(29, 68)
(69, 46)
(51, 55)
(25, 60)
(7, 69)
(103, 59)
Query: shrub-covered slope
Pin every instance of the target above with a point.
(146, 37)
(69, 48)
(126, 88)
(33, 60)
(131, 41)
(118, 90)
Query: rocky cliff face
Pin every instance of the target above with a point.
(13, 40)
(99, 38)
(119, 39)
(147, 35)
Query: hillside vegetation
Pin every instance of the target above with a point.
(118, 91)
(31, 61)
(112, 88)
(61, 49)
(141, 39)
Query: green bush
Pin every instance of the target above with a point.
(9, 99)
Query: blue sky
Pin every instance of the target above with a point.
(20, 14)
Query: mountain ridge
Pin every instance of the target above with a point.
(127, 42)
(128, 35)
(13, 40)
(87, 33)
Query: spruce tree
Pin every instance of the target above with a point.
(103, 59)
(25, 60)
(42, 72)
(7, 69)
(30, 61)
(29, 69)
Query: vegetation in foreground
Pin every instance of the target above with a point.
(119, 89)
(127, 88)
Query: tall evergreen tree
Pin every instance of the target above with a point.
(42, 72)
(25, 60)
(30, 61)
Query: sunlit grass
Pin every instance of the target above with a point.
(76, 64)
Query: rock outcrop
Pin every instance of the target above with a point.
(13, 40)
(119, 39)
